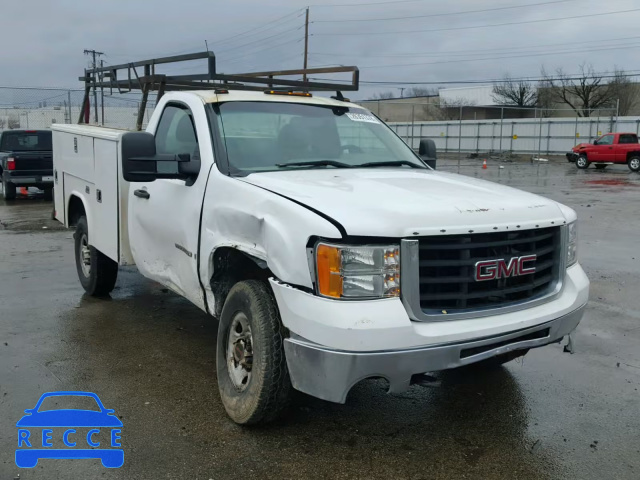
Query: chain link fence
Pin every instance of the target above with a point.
(461, 129)
(466, 129)
(35, 108)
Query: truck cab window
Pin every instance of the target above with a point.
(176, 133)
(606, 140)
(628, 138)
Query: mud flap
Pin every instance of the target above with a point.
(568, 348)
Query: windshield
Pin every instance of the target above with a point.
(26, 141)
(269, 136)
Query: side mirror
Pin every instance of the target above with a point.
(427, 152)
(141, 163)
(595, 142)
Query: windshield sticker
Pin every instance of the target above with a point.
(362, 117)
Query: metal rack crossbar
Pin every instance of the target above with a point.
(148, 80)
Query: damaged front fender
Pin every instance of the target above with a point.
(265, 226)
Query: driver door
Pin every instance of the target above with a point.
(603, 151)
(164, 215)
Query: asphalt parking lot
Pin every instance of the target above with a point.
(150, 355)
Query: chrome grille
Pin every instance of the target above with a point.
(447, 269)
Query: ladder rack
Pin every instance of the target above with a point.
(126, 77)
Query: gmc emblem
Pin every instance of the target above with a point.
(494, 269)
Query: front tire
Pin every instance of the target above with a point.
(634, 164)
(253, 378)
(582, 162)
(96, 271)
(8, 190)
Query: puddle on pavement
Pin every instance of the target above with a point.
(613, 183)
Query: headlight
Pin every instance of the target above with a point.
(572, 244)
(351, 272)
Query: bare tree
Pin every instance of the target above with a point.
(584, 92)
(449, 109)
(515, 92)
(13, 122)
(3, 122)
(546, 99)
(384, 95)
(423, 92)
(624, 92)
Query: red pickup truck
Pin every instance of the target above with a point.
(607, 150)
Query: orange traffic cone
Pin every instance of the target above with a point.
(484, 164)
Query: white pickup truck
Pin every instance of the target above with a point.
(326, 248)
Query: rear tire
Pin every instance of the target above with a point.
(253, 377)
(96, 271)
(582, 162)
(48, 193)
(8, 190)
(634, 164)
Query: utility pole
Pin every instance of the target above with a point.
(306, 44)
(94, 54)
(102, 92)
(69, 98)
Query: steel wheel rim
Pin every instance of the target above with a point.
(635, 163)
(582, 161)
(85, 255)
(240, 351)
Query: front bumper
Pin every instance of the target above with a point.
(572, 156)
(330, 374)
(333, 344)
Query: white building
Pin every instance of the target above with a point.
(481, 95)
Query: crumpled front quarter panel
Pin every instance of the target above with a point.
(260, 223)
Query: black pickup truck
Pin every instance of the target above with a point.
(26, 160)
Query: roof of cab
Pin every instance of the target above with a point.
(210, 96)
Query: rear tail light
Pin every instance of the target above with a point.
(11, 163)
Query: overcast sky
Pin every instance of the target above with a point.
(44, 39)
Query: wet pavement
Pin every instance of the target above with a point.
(149, 355)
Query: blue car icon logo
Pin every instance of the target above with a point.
(76, 433)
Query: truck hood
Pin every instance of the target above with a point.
(581, 145)
(398, 202)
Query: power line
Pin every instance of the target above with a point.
(34, 101)
(248, 33)
(281, 61)
(466, 12)
(517, 55)
(260, 40)
(255, 31)
(288, 42)
(43, 88)
(366, 4)
(152, 55)
(468, 52)
(490, 25)
(488, 81)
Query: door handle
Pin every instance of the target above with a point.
(141, 193)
